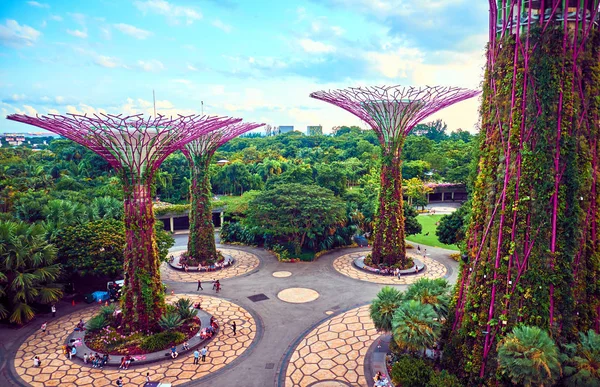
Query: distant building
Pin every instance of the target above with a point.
(314, 130)
(285, 128)
(14, 139)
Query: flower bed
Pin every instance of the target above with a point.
(370, 265)
(105, 334)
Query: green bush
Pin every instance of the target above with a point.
(107, 311)
(444, 379)
(162, 341)
(409, 371)
(185, 309)
(96, 323)
(170, 321)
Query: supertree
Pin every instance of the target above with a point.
(201, 242)
(532, 241)
(135, 147)
(392, 112)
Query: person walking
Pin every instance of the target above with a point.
(214, 284)
(234, 327)
(36, 361)
(196, 356)
(199, 285)
(44, 326)
(203, 352)
(218, 286)
(53, 311)
(120, 382)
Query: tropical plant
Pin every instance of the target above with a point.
(108, 311)
(415, 326)
(434, 292)
(528, 356)
(170, 321)
(383, 308)
(97, 322)
(27, 271)
(411, 372)
(185, 309)
(443, 379)
(162, 340)
(582, 361)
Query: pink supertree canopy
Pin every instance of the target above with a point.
(136, 143)
(210, 142)
(393, 111)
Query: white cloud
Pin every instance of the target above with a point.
(84, 109)
(182, 81)
(106, 34)
(38, 5)
(78, 33)
(191, 67)
(78, 17)
(222, 26)
(30, 110)
(217, 90)
(130, 30)
(150, 65)
(56, 18)
(313, 46)
(53, 111)
(59, 99)
(172, 11)
(107, 61)
(394, 64)
(16, 35)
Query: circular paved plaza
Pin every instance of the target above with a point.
(345, 265)
(57, 370)
(244, 263)
(284, 303)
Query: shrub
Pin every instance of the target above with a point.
(108, 311)
(96, 323)
(170, 321)
(162, 341)
(444, 379)
(185, 309)
(409, 371)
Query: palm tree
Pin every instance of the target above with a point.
(582, 367)
(415, 326)
(383, 308)
(105, 208)
(62, 213)
(27, 270)
(434, 292)
(528, 356)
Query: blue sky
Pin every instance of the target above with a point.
(255, 59)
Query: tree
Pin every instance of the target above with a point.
(295, 212)
(582, 362)
(415, 169)
(415, 326)
(451, 229)
(411, 223)
(27, 271)
(434, 292)
(383, 308)
(416, 191)
(528, 356)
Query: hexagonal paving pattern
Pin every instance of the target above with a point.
(344, 265)
(282, 274)
(333, 352)
(56, 370)
(244, 263)
(298, 295)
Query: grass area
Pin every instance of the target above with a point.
(428, 222)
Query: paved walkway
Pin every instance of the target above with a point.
(276, 329)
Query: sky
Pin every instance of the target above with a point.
(254, 59)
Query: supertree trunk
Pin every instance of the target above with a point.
(201, 242)
(392, 112)
(143, 296)
(389, 245)
(532, 238)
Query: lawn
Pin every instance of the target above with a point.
(428, 222)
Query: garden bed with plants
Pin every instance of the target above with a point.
(222, 262)
(413, 266)
(104, 333)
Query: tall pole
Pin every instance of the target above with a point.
(154, 100)
(202, 104)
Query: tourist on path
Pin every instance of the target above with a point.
(53, 311)
(214, 284)
(44, 326)
(174, 353)
(234, 327)
(120, 382)
(203, 352)
(36, 361)
(196, 356)
(72, 353)
(199, 285)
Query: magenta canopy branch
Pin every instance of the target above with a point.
(392, 112)
(134, 146)
(201, 242)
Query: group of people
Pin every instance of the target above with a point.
(99, 361)
(125, 362)
(380, 380)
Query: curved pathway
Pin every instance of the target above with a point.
(250, 296)
(345, 265)
(57, 370)
(245, 262)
